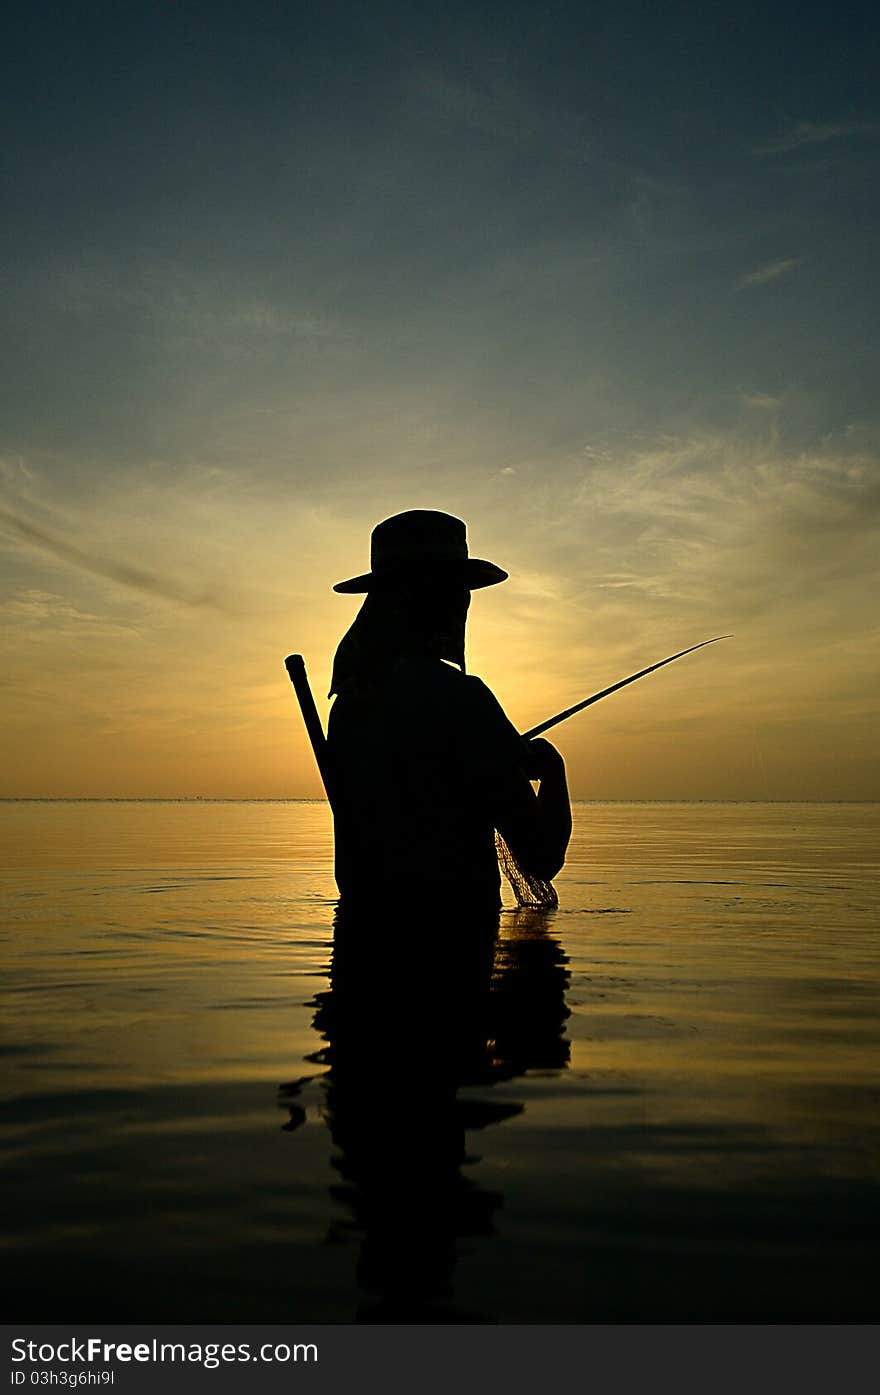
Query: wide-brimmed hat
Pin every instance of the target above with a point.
(417, 543)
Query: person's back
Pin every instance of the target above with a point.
(422, 761)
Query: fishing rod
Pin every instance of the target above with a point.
(296, 670)
(534, 892)
(587, 702)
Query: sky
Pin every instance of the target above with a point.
(599, 279)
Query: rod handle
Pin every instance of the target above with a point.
(296, 671)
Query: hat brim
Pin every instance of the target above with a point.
(477, 574)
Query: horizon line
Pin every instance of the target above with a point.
(322, 799)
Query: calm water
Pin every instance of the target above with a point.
(673, 1115)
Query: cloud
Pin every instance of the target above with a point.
(760, 401)
(772, 271)
(712, 521)
(499, 108)
(123, 573)
(805, 133)
(693, 523)
(169, 300)
(50, 616)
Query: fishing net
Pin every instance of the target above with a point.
(531, 892)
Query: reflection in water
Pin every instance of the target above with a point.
(406, 1025)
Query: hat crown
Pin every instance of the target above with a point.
(418, 534)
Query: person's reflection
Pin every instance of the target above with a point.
(406, 1025)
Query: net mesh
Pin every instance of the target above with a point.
(530, 892)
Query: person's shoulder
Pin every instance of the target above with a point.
(448, 679)
(487, 716)
(443, 683)
(478, 693)
(421, 671)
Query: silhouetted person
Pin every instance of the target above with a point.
(426, 765)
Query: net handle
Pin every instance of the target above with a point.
(296, 672)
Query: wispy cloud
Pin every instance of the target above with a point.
(123, 573)
(802, 133)
(760, 401)
(498, 107)
(36, 612)
(772, 271)
(716, 523)
(161, 296)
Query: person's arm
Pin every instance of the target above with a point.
(544, 763)
(536, 827)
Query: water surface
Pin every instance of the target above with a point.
(666, 1106)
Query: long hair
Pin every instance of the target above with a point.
(421, 619)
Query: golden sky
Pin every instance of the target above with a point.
(621, 330)
(164, 674)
